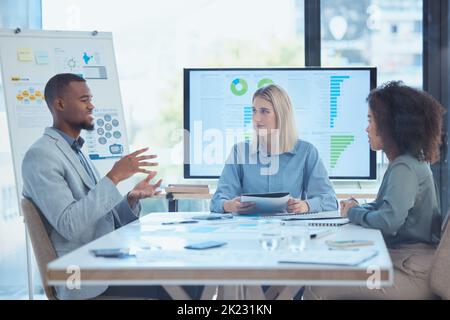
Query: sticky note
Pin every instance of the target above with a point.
(41, 57)
(248, 225)
(204, 229)
(25, 54)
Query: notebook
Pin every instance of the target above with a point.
(326, 215)
(328, 222)
(329, 257)
(325, 219)
(316, 223)
(313, 219)
(298, 216)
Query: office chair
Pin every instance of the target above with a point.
(440, 267)
(42, 246)
(45, 252)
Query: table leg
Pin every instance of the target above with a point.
(254, 293)
(209, 292)
(288, 293)
(177, 293)
(273, 292)
(230, 293)
(173, 205)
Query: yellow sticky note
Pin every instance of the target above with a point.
(25, 54)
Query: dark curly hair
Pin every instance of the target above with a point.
(408, 120)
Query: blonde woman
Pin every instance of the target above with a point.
(275, 161)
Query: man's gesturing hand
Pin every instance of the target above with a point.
(144, 189)
(130, 165)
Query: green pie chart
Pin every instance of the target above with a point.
(264, 82)
(239, 87)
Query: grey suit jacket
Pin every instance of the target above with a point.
(75, 210)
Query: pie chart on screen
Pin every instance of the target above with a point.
(264, 82)
(239, 87)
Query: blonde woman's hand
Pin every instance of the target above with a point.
(297, 206)
(235, 205)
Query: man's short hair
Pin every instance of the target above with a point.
(56, 85)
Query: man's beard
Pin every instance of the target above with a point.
(87, 126)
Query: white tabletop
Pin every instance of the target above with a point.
(162, 259)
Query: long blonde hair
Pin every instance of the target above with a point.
(282, 106)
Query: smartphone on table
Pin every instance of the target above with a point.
(205, 245)
(112, 253)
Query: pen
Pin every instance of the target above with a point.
(179, 222)
(349, 243)
(352, 198)
(321, 234)
(343, 249)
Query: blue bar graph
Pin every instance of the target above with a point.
(248, 116)
(335, 93)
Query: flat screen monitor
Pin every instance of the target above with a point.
(329, 106)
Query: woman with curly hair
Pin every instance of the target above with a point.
(406, 124)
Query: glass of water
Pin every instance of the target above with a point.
(298, 240)
(270, 240)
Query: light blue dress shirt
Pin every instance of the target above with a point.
(299, 172)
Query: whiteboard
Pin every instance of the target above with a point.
(29, 58)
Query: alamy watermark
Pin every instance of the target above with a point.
(73, 281)
(374, 279)
(211, 146)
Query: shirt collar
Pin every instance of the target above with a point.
(75, 144)
(294, 148)
(254, 149)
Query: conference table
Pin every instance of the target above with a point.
(173, 198)
(238, 270)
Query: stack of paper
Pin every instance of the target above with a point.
(267, 203)
(188, 188)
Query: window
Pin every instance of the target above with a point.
(13, 268)
(383, 33)
(155, 40)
